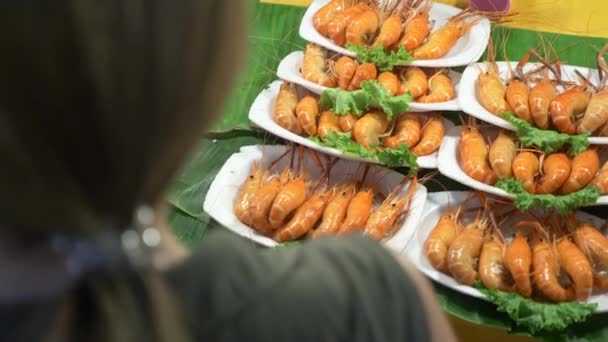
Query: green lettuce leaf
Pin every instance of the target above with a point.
(371, 95)
(564, 204)
(546, 140)
(380, 58)
(400, 156)
(537, 316)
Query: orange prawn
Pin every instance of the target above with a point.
(323, 16)
(433, 132)
(501, 155)
(315, 66)
(595, 246)
(305, 217)
(556, 169)
(541, 96)
(364, 72)
(414, 80)
(336, 27)
(518, 92)
(546, 269)
(417, 28)
(289, 198)
(382, 222)
(585, 166)
(442, 40)
(328, 122)
(390, 82)
(390, 31)
(596, 114)
(262, 202)
(463, 253)
(493, 272)
(335, 212)
(440, 239)
(491, 89)
(474, 155)
(247, 192)
(358, 211)
(307, 112)
(441, 89)
(284, 110)
(363, 27)
(407, 131)
(518, 259)
(576, 265)
(347, 122)
(567, 105)
(344, 69)
(525, 168)
(369, 128)
(601, 180)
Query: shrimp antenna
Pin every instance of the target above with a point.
(602, 67)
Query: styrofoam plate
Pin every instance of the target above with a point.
(291, 66)
(467, 96)
(450, 166)
(467, 50)
(261, 115)
(436, 205)
(224, 188)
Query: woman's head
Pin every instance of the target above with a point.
(101, 101)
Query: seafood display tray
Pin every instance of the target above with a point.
(450, 166)
(261, 115)
(469, 48)
(290, 70)
(219, 202)
(467, 95)
(437, 204)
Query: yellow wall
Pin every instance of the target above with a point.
(578, 17)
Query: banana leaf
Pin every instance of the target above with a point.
(273, 34)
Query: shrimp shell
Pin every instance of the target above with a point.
(433, 132)
(358, 211)
(596, 114)
(556, 169)
(344, 69)
(315, 66)
(440, 239)
(491, 91)
(441, 89)
(323, 16)
(416, 30)
(518, 259)
(305, 217)
(501, 155)
(525, 168)
(492, 271)
(518, 98)
(474, 156)
(328, 122)
(407, 131)
(601, 180)
(362, 28)
(289, 198)
(584, 169)
(247, 192)
(464, 252)
(442, 40)
(307, 112)
(414, 80)
(336, 28)
(566, 106)
(284, 110)
(576, 265)
(364, 72)
(262, 202)
(545, 268)
(382, 220)
(541, 96)
(390, 31)
(595, 247)
(369, 127)
(390, 82)
(335, 211)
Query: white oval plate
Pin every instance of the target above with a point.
(261, 115)
(291, 66)
(449, 164)
(467, 50)
(224, 188)
(436, 205)
(467, 95)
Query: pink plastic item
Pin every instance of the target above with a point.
(490, 5)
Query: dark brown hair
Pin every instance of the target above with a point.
(100, 103)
